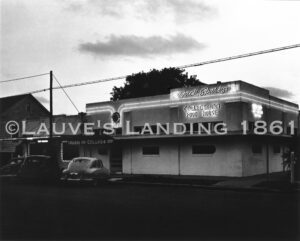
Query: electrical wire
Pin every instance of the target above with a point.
(80, 84)
(66, 93)
(180, 67)
(27, 77)
(239, 56)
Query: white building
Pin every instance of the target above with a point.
(231, 148)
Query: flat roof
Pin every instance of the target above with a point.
(200, 93)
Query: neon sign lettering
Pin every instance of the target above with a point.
(257, 110)
(202, 110)
(203, 91)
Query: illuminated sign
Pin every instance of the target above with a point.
(257, 110)
(200, 91)
(87, 142)
(202, 110)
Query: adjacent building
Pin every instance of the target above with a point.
(17, 108)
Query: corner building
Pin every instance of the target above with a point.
(196, 151)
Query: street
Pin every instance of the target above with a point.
(128, 211)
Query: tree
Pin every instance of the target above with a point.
(154, 82)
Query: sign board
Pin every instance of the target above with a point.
(195, 111)
(202, 91)
(88, 142)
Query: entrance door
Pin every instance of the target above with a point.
(116, 159)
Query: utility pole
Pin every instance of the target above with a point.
(51, 115)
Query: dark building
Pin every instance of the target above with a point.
(17, 108)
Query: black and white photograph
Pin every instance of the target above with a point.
(150, 120)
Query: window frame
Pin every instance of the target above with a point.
(257, 145)
(203, 154)
(151, 146)
(105, 153)
(274, 148)
(69, 156)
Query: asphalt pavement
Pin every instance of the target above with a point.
(130, 211)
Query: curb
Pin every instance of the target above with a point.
(208, 187)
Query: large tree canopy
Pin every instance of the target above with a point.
(154, 82)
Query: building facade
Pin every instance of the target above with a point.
(17, 108)
(223, 129)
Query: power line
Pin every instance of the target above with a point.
(27, 77)
(239, 56)
(80, 84)
(66, 93)
(180, 67)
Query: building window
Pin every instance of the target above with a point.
(70, 151)
(296, 131)
(28, 108)
(257, 149)
(251, 126)
(98, 131)
(276, 149)
(102, 151)
(151, 150)
(198, 128)
(188, 127)
(203, 149)
(118, 131)
(138, 129)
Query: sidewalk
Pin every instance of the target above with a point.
(275, 182)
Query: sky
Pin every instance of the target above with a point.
(85, 40)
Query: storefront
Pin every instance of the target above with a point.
(224, 129)
(65, 148)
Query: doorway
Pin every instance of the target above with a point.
(116, 159)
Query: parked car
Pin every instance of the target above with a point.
(35, 167)
(13, 166)
(39, 167)
(86, 169)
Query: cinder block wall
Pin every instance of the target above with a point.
(177, 159)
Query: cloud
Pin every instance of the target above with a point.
(132, 45)
(280, 93)
(180, 10)
(184, 10)
(42, 99)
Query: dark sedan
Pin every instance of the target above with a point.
(36, 167)
(12, 167)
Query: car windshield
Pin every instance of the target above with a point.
(79, 164)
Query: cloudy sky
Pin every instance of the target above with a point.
(88, 40)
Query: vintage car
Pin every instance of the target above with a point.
(39, 167)
(86, 169)
(12, 168)
(35, 167)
